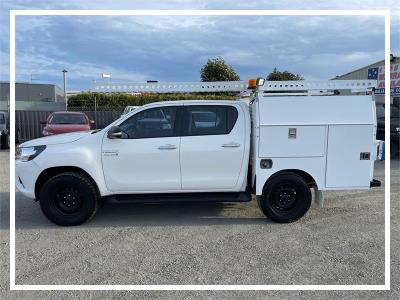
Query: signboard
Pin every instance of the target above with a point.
(378, 73)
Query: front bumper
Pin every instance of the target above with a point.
(26, 174)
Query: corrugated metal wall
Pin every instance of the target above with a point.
(28, 122)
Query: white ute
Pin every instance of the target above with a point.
(292, 137)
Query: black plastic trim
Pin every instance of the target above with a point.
(183, 197)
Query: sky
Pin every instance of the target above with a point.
(137, 49)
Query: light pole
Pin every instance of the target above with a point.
(65, 88)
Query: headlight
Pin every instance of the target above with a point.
(398, 130)
(28, 153)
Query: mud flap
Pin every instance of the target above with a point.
(319, 197)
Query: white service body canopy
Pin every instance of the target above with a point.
(316, 110)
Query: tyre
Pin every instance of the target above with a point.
(69, 199)
(286, 198)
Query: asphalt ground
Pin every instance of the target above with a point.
(343, 243)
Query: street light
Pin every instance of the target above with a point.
(65, 88)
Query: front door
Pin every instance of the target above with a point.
(212, 147)
(148, 160)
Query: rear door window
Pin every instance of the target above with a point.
(208, 119)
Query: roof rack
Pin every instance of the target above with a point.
(326, 85)
(171, 87)
(233, 86)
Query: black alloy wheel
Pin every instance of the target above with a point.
(69, 199)
(286, 198)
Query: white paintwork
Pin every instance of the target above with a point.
(345, 143)
(314, 115)
(331, 131)
(215, 162)
(84, 153)
(315, 166)
(140, 165)
(64, 138)
(316, 110)
(28, 173)
(309, 141)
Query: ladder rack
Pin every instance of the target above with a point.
(326, 85)
(171, 87)
(233, 86)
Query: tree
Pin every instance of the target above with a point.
(217, 70)
(276, 75)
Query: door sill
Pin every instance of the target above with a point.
(182, 197)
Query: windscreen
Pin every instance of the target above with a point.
(77, 119)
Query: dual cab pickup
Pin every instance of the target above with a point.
(278, 148)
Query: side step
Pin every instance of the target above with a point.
(182, 197)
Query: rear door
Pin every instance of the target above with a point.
(212, 147)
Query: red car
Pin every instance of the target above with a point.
(65, 121)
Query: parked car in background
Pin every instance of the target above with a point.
(65, 121)
(128, 109)
(4, 132)
(394, 127)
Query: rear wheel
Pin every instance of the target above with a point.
(69, 199)
(286, 198)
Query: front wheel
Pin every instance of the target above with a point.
(286, 198)
(69, 199)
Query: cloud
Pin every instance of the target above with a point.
(175, 48)
(27, 64)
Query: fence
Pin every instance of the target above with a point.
(28, 125)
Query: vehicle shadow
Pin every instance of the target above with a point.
(29, 215)
(175, 214)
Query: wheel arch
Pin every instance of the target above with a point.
(53, 171)
(311, 182)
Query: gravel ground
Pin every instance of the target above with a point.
(342, 243)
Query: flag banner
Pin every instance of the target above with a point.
(378, 74)
(373, 73)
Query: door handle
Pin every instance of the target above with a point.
(167, 147)
(231, 145)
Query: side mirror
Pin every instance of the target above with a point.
(116, 133)
(43, 122)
